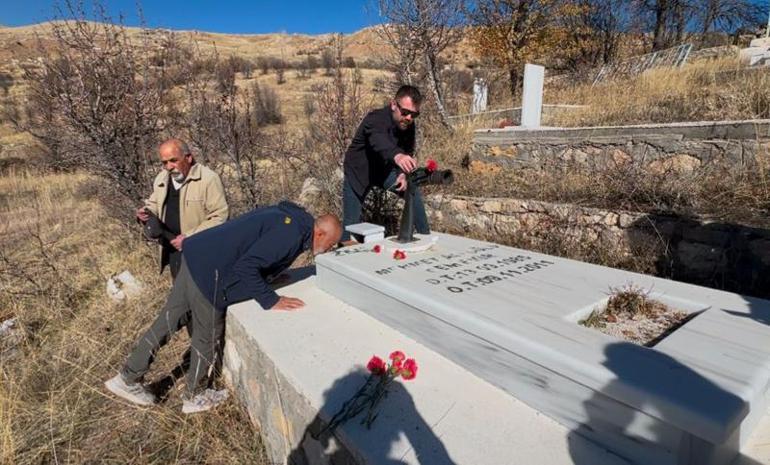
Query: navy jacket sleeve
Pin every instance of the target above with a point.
(246, 281)
(380, 138)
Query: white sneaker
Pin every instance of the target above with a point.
(132, 392)
(206, 400)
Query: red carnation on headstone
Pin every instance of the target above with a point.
(376, 365)
(409, 370)
(399, 254)
(397, 361)
(397, 355)
(431, 165)
(377, 248)
(374, 390)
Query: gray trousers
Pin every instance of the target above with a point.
(186, 306)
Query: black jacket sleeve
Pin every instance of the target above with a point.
(377, 131)
(246, 282)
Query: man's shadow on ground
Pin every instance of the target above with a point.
(397, 419)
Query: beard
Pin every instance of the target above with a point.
(177, 176)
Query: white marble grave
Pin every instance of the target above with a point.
(511, 316)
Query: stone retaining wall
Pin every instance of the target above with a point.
(680, 147)
(725, 256)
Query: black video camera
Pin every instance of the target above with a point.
(156, 229)
(422, 177)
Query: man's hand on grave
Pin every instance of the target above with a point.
(288, 303)
(401, 182)
(405, 162)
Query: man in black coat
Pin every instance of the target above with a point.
(380, 154)
(222, 266)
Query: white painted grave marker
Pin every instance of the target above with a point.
(480, 94)
(532, 96)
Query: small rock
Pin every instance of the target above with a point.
(7, 326)
(123, 286)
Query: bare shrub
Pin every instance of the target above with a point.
(312, 63)
(349, 62)
(279, 77)
(225, 123)
(267, 106)
(6, 81)
(418, 33)
(328, 61)
(262, 64)
(96, 102)
(303, 71)
(336, 113)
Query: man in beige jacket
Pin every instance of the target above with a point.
(186, 196)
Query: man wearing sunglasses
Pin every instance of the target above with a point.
(380, 154)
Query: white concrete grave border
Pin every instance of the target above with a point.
(693, 399)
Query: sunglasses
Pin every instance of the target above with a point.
(405, 112)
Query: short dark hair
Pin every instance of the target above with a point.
(411, 92)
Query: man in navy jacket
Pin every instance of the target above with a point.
(222, 266)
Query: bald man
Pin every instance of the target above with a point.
(187, 197)
(222, 266)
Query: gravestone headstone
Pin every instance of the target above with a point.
(480, 94)
(532, 96)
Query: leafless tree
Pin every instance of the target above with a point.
(333, 117)
(668, 19)
(225, 123)
(594, 32)
(421, 30)
(97, 102)
(511, 32)
(727, 15)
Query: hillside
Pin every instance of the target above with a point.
(20, 43)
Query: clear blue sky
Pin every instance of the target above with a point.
(234, 16)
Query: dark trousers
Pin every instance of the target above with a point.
(185, 306)
(352, 205)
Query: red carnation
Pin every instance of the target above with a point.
(377, 248)
(397, 356)
(431, 165)
(409, 370)
(376, 365)
(399, 254)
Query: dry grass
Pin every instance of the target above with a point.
(58, 248)
(738, 195)
(702, 91)
(295, 92)
(632, 315)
